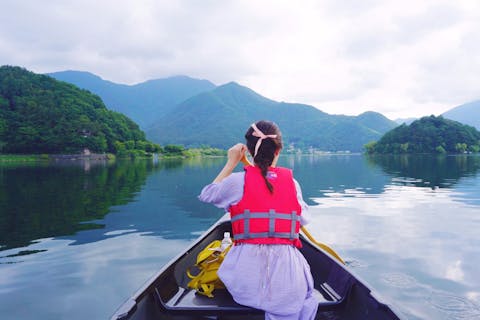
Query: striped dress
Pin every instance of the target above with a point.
(274, 278)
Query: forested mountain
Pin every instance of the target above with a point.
(143, 102)
(429, 135)
(468, 113)
(219, 118)
(39, 114)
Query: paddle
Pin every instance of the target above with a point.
(323, 246)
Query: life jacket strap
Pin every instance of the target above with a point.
(271, 216)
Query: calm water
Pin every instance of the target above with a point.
(78, 239)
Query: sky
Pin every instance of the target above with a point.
(404, 59)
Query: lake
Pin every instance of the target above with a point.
(78, 238)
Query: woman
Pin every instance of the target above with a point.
(264, 269)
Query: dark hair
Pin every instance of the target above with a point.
(266, 152)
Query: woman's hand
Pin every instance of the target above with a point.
(235, 154)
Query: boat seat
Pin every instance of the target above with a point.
(327, 298)
(186, 300)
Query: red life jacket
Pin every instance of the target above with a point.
(261, 217)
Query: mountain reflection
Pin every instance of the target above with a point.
(55, 200)
(159, 198)
(320, 176)
(427, 170)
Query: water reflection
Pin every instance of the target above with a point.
(409, 243)
(54, 200)
(157, 197)
(427, 170)
(167, 206)
(459, 172)
(327, 175)
(74, 277)
(59, 200)
(407, 226)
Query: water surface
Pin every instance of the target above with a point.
(77, 239)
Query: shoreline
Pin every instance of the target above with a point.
(74, 157)
(52, 157)
(23, 157)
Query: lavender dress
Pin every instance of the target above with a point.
(274, 278)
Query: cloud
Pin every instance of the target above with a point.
(455, 272)
(405, 58)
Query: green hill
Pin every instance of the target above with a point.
(428, 135)
(39, 114)
(219, 118)
(144, 102)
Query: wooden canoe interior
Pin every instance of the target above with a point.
(174, 296)
(341, 295)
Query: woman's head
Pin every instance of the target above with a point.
(268, 145)
(264, 141)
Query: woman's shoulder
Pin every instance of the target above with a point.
(236, 176)
(224, 193)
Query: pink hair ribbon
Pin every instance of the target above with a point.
(257, 133)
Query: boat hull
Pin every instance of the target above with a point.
(341, 295)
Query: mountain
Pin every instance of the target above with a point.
(375, 121)
(192, 112)
(468, 113)
(429, 135)
(143, 102)
(220, 117)
(39, 114)
(405, 120)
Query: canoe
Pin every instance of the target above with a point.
(341, 294)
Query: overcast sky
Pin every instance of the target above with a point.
(405, 58)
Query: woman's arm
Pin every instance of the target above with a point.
(227, 188)
(235, 154)
(305, 217)
(225, 193)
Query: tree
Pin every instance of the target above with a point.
(39, 114)
(404, 147)
(173, 148)
(474, 148)
(461, 147)
(440, 149)
(428, 135)
(370, 147)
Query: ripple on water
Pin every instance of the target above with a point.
(353, 263)
(399, 280)
(455, 307)
(119, 232)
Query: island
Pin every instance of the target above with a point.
(428, 135)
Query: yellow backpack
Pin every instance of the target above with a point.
(208, 262)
